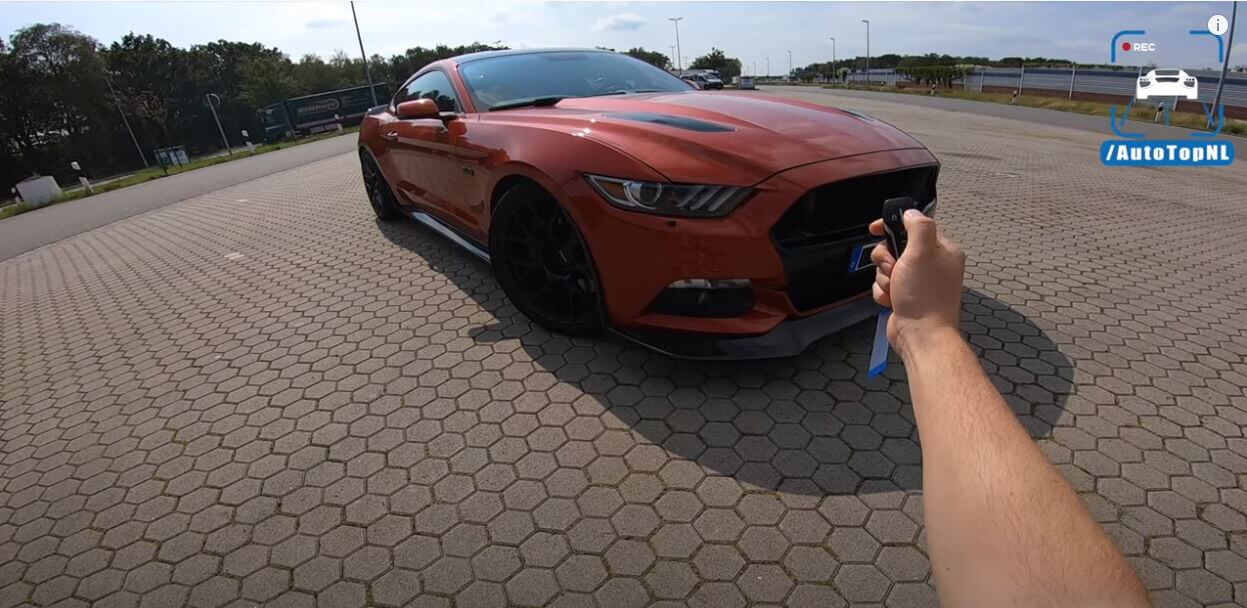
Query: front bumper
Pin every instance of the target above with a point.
(789, 338)
(638, 255)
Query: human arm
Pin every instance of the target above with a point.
(1004, 527)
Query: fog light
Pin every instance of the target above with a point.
(714, 298)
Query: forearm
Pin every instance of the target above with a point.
(1003, 525)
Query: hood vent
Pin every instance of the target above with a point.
(679, 122)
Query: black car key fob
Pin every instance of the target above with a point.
(894, 226)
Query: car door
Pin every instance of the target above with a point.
(422, 149)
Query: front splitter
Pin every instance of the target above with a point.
(788, 339)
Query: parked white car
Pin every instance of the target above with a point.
(1167, 83)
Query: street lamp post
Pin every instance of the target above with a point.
(833, 58)
(364, 56)
(673, 55)
(1225, 64)
(126, 122)
(867, 22)
(790, 65)
(768, 67)
(212, 106)
(676, 20)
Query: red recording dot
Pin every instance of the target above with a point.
(1125, 46)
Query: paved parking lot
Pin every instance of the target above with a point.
(260, 396)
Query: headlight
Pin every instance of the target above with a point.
(661, 198)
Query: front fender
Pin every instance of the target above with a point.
(555, 160)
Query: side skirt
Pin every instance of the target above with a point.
(450, 233)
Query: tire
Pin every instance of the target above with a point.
(542, 263)
(380, 197)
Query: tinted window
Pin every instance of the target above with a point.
(508, 78)
(434, 85)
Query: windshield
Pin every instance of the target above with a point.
(508, 79)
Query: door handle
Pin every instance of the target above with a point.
(390, 136)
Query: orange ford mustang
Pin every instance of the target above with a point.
(609, 194)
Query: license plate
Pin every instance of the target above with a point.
(860, 260)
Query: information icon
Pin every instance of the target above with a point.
(1218, 24)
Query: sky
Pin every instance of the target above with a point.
(751, 31)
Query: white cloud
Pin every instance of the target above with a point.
(324, 24)
(621, 21)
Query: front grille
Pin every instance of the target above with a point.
(815, 238)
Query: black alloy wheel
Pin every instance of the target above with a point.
(542, 263)
(379, 194)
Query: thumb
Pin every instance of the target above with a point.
(921, 231)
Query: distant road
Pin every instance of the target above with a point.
(35, 229)
(1056, 118)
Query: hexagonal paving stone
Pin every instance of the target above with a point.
(260, 395)
(764, 583)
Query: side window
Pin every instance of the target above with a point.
(433, 85)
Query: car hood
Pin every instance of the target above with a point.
(715, 137)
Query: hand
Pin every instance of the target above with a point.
(923, 288)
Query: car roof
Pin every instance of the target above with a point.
(470, 57)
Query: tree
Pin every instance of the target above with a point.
(403, 66)
(943, 75)
(267, 80)
(654, 58)
(312, 74)
(149, 76)
(12, 165)
(889, 60)
(728, 67)
(53, 100)
(222, 67)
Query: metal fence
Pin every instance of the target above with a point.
(1075, 80)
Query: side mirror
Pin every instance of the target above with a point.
(417, 108)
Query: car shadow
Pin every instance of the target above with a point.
(813, 424)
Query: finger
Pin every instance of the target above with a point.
(882, 257)
(946, 243)
(882, 297)
(876, 227)
(921, 230)
(884, 282)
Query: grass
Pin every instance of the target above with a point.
(12, 210)
(1094, 108)
(152, 173)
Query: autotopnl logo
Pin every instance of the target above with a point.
(1151, 153)
(1168, 86)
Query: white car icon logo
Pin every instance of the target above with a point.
(1167, 83)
